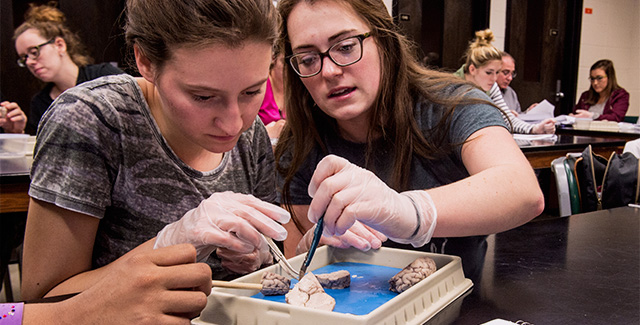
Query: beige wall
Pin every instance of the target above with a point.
(611, 32)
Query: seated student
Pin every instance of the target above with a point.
(124, 165)
(272, 111)
(55, 55)
(12, 118)
(385, 148)
(605, 99)
(483, 63)
(506, 74)
(162, 286)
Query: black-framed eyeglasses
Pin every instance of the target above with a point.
(346, 52)
(32, 53)
(506, 73)
(597, 78)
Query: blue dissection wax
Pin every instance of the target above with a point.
(369, 287)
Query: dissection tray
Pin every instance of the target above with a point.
(414, 306)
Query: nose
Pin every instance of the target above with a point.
(329, 68)
(229, 121)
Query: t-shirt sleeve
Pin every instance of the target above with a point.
(468, 119)
(75, 157)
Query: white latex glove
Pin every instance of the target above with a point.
(345, 193)
(244, 263)
(230, 220)
(547, 126)
(359, 236)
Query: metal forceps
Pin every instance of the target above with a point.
(281, 259)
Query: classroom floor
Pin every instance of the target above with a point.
(14, 274)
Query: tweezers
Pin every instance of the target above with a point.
(317, 233)
(275, 251)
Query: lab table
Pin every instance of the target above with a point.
(582, 269)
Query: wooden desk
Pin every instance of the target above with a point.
(14, 184)
(540, 153)
(582, 269)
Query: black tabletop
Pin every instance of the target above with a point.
(583, 269)
(629, 134)
(566, 141)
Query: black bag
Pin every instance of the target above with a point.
(607, 183)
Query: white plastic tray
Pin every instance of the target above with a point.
(414, 306)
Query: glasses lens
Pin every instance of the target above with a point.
(346, 52)
(306, 64)
(22, 61)
(33, 54)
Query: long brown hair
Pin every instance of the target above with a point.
(49, 21)
(612, 82)
(403, 81)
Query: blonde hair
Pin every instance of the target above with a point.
(49, 21)
(480, 50)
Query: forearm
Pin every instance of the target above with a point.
(491, 201)
(84, 280)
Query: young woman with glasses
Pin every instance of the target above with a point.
(605, 99)
(385, 148)
(123, 165)
(55, 55)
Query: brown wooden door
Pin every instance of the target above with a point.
(442, 27)
(544, 36)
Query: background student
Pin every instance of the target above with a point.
(272, 111)
(374, 144)
(123, 165)
(55, 55)
(605, 99)
(483, 63)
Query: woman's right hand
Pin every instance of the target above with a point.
(358, 236)
(14, 119)
(547, 126)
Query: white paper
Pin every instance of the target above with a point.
(518, 136)
(540, 112)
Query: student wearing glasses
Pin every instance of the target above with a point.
(385, 149)
(605, 99)
(55, 55)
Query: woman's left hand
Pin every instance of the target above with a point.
(243, 263)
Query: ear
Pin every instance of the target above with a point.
(60, 44)
(145, 67)
(472, 69)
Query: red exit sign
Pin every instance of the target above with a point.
(588, 11)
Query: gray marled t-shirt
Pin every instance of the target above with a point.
(99, 152)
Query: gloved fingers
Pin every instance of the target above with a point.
(328, 166)
(227, 237)
(372, 236)
(260, 215)
(245, 263)
(305, 243)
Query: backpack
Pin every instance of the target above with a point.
(607, 183)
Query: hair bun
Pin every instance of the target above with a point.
(484, 37)
(44, 13)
